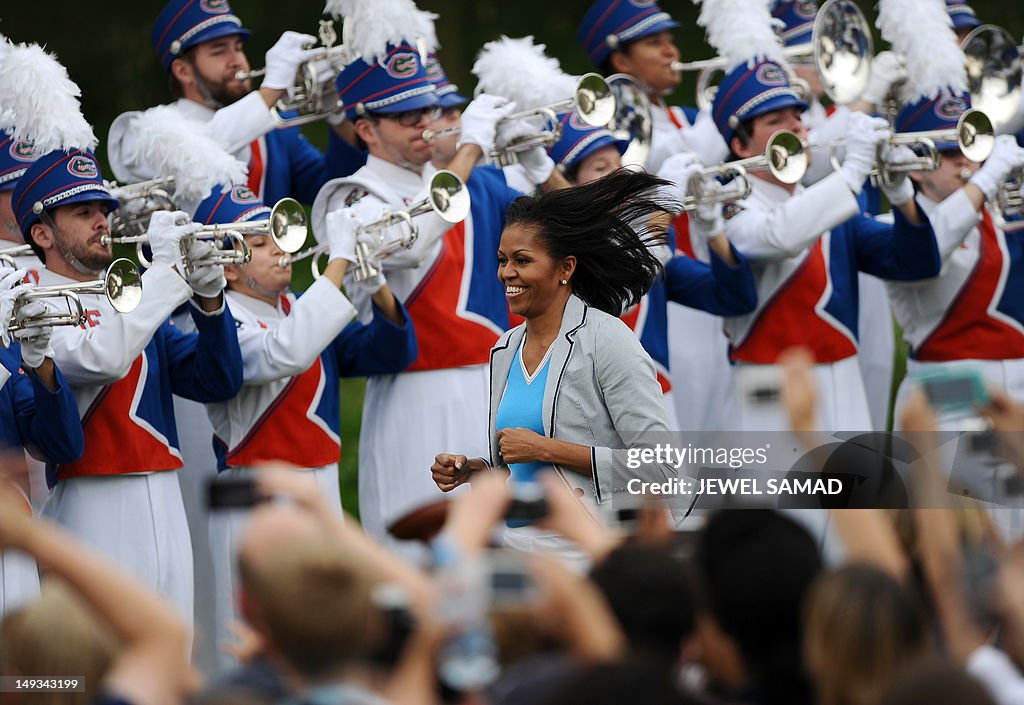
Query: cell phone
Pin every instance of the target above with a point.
(235, 493)
(956, 390)
(761, 384)
(622, 514)
(511, 581)
(528, 503)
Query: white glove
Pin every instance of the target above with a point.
(886, 69)
(706, 219)
(375, 283)
(283, 59)
(165, 236)
(207, 280)
(480, 120)
(703, 139)
(899, 189)
(35, 342)
(341, 234)
(680, 169)
(11, 287)
(864, 134)
(537, 164)
(1006, 156)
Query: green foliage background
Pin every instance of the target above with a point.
(106, 48)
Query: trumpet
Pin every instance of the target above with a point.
(784, 157)
(139, 201)
(311, 96)
(447, 197)
(1009, 205)
(973, 134)
(733, 173)
(121, 284)
(286, 225)
(592, 100)
(841, 48)
(8, 254)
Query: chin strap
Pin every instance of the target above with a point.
(58, 237)
(262, 290)
(208, 98)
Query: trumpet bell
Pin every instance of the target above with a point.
(631, 122)
(787, 160)
(993, 72)
(448, 196)
(976, 135)
(843, 48)
(595, 101)
(288, 225)
(123, 285)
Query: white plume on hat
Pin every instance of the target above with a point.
(741, 31)
(519, 70)
(922, 32)
(40, 101)
(178, 147)
(378, 23)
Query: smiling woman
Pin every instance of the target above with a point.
(571, 387)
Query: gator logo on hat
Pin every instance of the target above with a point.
(215, 7)
(950, 108)
(577, 124)
(242, 195)
(807, 9)
(433, 69)
(771, 75)
(402, 65)
(22, 151)
(83, 167)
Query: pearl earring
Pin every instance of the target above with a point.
(564, 282)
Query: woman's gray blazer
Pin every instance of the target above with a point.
(601, 392)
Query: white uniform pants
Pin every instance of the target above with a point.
(703, 381)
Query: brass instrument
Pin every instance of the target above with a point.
(312, 96)
(138, 203)
(121, 284)
(8, 254)
(1009, 205)
(993, 72)
(447, 196)
(784, 157)
(632, 121)
(592, 100)
(973, 134)
(286, 224)
(841, 49)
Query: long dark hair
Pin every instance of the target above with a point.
(604, 224)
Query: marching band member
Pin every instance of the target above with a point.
(724, 287)
(294, 350)
(123, 370)
(964, 19)
(805, 245)
(15, 157)
(446, 279)
(634, 38)
(201, 46)
(876, 341)
(38, 412)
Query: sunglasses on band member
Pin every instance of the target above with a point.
(411, 118)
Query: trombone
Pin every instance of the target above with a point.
(8, 254)
(841, 48)
(447, 197)
(286, 225)
(121, 284)
(973, 134)
(310, 97)
(592, 100)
